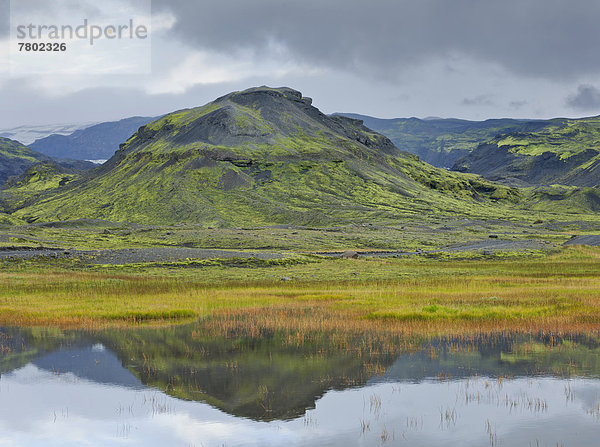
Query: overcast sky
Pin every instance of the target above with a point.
(473, 59)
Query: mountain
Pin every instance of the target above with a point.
(25, 174)
(564, 151)
(517, 152)
(443, 141)
(98, 142)
(15, 158)
(264, 156)
(38, 180)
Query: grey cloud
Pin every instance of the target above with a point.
(30, 106)
(86, 9)
(481, 100)
(517, 104)
(586, 98)
(552, 39)
(89, 8)
(4, 18)
(364, 43)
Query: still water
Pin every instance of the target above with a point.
(192, 387)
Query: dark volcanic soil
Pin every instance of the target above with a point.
(592, 239)
(132, 255)
(491, 245)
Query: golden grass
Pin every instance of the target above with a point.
(560, 292)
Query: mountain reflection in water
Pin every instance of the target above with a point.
(194, 385)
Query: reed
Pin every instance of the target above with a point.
(558, 292)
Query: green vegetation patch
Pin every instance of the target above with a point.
(485, 312)
(148, 316)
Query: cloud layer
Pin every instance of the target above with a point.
(586, 98)
(541, 38)
(464, 58)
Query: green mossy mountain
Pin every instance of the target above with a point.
(39, 180)
(563, 152)
(265, 156)
(516, 152)
(442, 141)
(26, 175)
(15, 158)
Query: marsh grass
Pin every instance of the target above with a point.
(557, 292)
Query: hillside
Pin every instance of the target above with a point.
(39, 180)
(443, 141)
(515, 152)
(264, 156)
(15, 158)
(92, 143)
(562, 152)
(26, 174)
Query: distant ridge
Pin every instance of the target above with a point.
(517, 152)
(99, 141)
(441, 141)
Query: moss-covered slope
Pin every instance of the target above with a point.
(39, 180)
(264, 156)
(443, 141)
(15, 158)
(27, 176)
(520, 152)
(564, 151)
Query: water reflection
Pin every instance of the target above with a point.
(195, 385)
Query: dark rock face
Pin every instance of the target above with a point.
(592, 240)
(283, 111)
(232, 179)
(498, 163)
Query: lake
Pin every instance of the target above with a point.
(195, 385)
